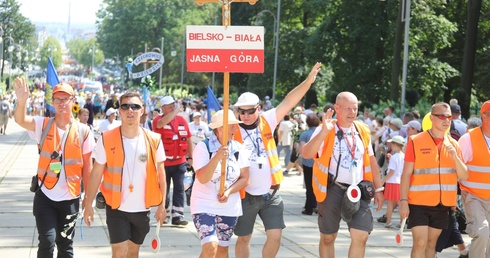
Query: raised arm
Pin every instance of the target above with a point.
(22, 92)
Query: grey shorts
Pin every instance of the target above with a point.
(269, 209)
(329, 213)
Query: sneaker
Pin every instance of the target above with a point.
(285, 172)
(305, 212)
(382, 219)
(180, 222)
(388, 225)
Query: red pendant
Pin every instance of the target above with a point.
(131, 188)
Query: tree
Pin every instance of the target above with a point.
(18, 28)
(81, 50)
(50, 48)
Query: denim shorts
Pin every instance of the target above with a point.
(214, 228)
(269, 207)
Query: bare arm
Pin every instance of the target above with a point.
(86, 170)
(404, 187)
(242, 182)
(161, 213)
(167, 118)
(22, 92)
(295, 95)
(205, 173)
(91, 191)
(310, 149)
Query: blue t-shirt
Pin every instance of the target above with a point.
(305, 137)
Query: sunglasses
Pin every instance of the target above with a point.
(443, 117)
(132, 106)
(247, 111)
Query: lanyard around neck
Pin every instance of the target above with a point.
(57, 148)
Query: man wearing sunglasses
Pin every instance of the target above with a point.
(176, 137)
(129, 161)
(65, 148)
(433, 164)
(259, 197)
(475, 146)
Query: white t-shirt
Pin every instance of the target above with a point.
(60, 190)
(133, 173)
(204, 198)
(260, 175)
(106, 125)
(396, 163)
(460, 126)
(198, 131)
(286, 127)
(346, 164)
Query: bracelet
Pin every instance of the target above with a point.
(401, 200)
(379, 189)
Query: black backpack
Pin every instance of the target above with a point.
(453, 132)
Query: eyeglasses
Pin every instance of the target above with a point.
(62, 101)
(132, 106)
(443, 117)
(247, 111)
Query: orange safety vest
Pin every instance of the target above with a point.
(72, 156)
(478, 182)
(434, 179)
(175, 149)
(113, 172)
(320, 167)
(270, 150)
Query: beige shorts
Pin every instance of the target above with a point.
(4, 119)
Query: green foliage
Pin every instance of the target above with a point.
(81, 50)
(50, 48)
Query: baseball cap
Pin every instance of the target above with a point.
(110, 111)
(414, 124)
(397, 139)
(196, 114)
(397, 122)
(298, 110)
(217, 119)
(455, 109)
(247, 99)
(166, 100)
(63, 87)
(485, 107)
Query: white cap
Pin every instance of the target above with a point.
(166, 100)
(196, 114)
(397, 139)
(247, 99)
(110, 111)
(217, 119)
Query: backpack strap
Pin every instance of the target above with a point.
(44, 134)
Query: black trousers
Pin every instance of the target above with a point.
(55, 222)
(310, 202)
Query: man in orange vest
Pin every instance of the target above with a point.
(129, 161)
(65, 148)
(428, 185)
(475, 191)
(259, 197)
(343, 156)
(177, 141)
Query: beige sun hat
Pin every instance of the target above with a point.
(217, 119)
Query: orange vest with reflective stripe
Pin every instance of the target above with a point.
(113, 172)
(72, 156)
(434, 179)
(320, 167)
(478, 182)
(270, 150)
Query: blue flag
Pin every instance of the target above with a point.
(51, 81)
(213, 104)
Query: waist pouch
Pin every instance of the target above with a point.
(367, 190)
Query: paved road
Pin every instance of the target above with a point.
(18, 234)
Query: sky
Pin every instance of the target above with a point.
(82, 11)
